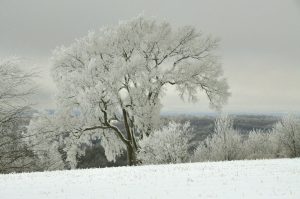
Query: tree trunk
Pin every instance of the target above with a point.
(131, 155)
(131, 148)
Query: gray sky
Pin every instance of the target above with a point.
(260, 45)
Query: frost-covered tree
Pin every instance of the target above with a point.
(224, 144)
(288, 136)
(115, 78)
(260, 145)
(167, 145)
(16, 86)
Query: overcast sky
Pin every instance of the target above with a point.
(260, 42)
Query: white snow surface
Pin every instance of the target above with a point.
(278, 178)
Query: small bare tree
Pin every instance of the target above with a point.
(16, 86)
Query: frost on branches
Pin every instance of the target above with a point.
(260, 145)
(115, 79)
(56, 142)
(287, 132)
(167, 145)
(46, 139)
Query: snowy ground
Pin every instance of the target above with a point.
(237, 179)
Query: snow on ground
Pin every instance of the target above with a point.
(237, 179)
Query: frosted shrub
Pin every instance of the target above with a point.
(167, 145)
(288, 136)
(43, 137)
(260, 145)
(224, 144)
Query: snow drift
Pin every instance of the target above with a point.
(236, 179)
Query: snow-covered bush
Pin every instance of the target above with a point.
(224, 144)
(45, 140)
(260, 145)
(167, 145)
(287, 132)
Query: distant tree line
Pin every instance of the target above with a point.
(224, 144)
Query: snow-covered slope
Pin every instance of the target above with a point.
(238, 179)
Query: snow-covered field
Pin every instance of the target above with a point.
(237, 179)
